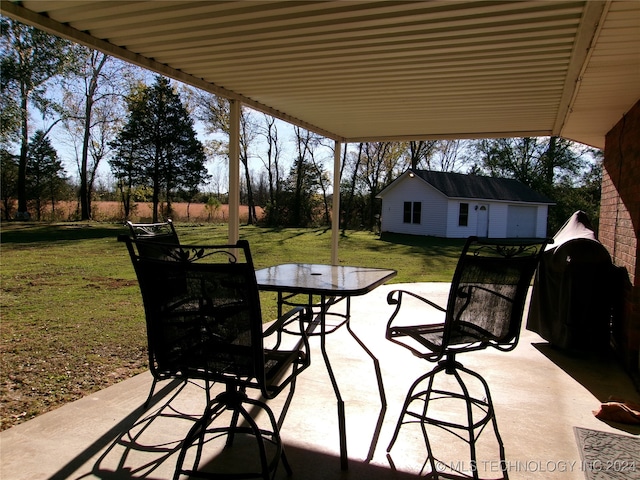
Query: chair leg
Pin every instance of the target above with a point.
(258, 434)
(285, 462)
(470, 428)
(490, 415)
(278, 424)
(275, 436)
(410, 398)
(196, 433)
(287, 402)
(473, 427)
(234, 401)
(207, 390)
(232, 427)
(148, 400)
(427, 393)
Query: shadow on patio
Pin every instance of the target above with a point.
(540, 395)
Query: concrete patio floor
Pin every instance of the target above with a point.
(540, 395)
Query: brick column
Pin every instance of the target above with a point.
(620, 226)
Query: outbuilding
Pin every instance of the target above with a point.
(455, 205)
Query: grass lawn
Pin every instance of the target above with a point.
(72, 320)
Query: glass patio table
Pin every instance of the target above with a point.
(332, 284)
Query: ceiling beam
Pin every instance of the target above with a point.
(592, 20)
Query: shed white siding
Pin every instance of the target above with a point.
(541, 222)
(434, 213)
(454, 230)
(434, 209)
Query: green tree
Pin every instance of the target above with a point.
(215, 113)
(8, 181)
(127, 168)
(537, 162)
(212, 207)
(420, 153)
(30, 58)
(271, 161)
(564, 171)
(158, 145)
(317, 169)
(45, 173)
(350, 164)
(93, 109)
(580, 192)
(381, 164)
(367, 171)
(302, 183)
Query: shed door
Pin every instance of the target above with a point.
(483, 220)
(521, 221)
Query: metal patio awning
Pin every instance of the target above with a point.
(385, 70)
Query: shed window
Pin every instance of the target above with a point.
(417, 210)
(412, 212)
(463, 217)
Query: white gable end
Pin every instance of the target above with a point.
(433, 209)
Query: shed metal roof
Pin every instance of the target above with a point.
(458, 185)
(382, 70)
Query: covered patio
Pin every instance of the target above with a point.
(377, 71)
(540, 394)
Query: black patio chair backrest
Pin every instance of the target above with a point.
(203, 314)
(148, 234)
(489, 290)
(485, 304)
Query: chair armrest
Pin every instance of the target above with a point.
(398, 301)
(299, 354)
(395, 298)
(280, 322)
(413, 340)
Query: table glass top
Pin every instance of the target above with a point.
(318, 278)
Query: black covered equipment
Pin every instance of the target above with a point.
(572, 296)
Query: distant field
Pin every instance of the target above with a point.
(72, 316)
(112, 211)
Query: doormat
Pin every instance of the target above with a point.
(608, 456)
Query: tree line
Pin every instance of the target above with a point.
(107, 112)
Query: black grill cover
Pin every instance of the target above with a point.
(572, 291)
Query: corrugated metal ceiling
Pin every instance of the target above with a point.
(355, 70)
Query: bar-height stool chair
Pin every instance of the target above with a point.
(149, 234)
(160, 232)
(204, 321)
(151, 241)
(484, 309)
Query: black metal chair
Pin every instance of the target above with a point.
(204, 321)
(148, 235)
(151, 240)
(484, 309)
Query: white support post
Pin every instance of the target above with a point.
(234, 172)
(335, 214)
